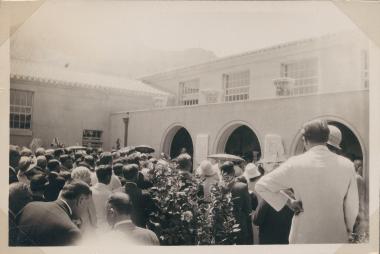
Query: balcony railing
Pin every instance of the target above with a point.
(288, 86)
(284, 86)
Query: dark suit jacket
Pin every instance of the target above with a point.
(274, 227)
(142, 183)
(12, 175)
(242, 209)
(46, 224)
(143, 204)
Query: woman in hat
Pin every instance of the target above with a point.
(252, 175)
(210, 177)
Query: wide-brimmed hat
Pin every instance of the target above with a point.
(251, 171)
(206, 169)
(335, 137)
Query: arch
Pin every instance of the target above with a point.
(365, 156)
(295, 147)
(228, 130)
(170, 136)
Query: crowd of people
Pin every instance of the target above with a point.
(60, 197)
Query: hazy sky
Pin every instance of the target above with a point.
(123, 29)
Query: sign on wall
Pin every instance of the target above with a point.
(201, 149)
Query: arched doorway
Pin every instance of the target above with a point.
(351, 147)
(181, 140)
(240, 140)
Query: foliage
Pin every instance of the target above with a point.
(184, 217)
(225, 228)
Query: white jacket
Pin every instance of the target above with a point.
(325, 183)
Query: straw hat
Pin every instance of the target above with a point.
(335, 137)
(251, 171)
(206, 168)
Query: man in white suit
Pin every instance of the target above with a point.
(324, 182)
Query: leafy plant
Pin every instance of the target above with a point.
(184, 217)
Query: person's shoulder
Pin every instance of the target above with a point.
(144, 232)
(345, 163)
(38, 205)
(344, 160)
(299, 158)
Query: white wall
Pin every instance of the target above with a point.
(64, 112)
(339, 67)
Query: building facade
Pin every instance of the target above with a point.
(235, 103)
(56, 105)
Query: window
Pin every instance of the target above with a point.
(305, 75)
(236, 86)
(364, 69)
(188, 92)
(20, 109)
(92, 138)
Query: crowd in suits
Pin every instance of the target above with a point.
(61, 197)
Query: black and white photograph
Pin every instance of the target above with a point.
(170, 123)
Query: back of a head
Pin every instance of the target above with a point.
(40, 151)
(26, 152)
(14, 156)
(24, 163)
(105, 158)
(184, 161)
(63, 158)
(54, 165)
(121, 202)
(41, 161)
(89, 159)
(130, 171)
(81, 173)
(228, 168)
(133, 158)
(58, 152)
(74, 189)
(89, 150)
(118, 169)
(316, 131)
(104, 173)
(65, 175)
(19, 196)
(38, 182)
(78, 155)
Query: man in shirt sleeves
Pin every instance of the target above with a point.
(323, 182)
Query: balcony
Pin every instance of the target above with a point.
(210, 96)
(284, 86)
(291, 87)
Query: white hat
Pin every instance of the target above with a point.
(206, 169)
(335, 137)
(251, 171)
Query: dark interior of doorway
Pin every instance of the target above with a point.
(243, 142)
(181, 139)
(350, 144)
